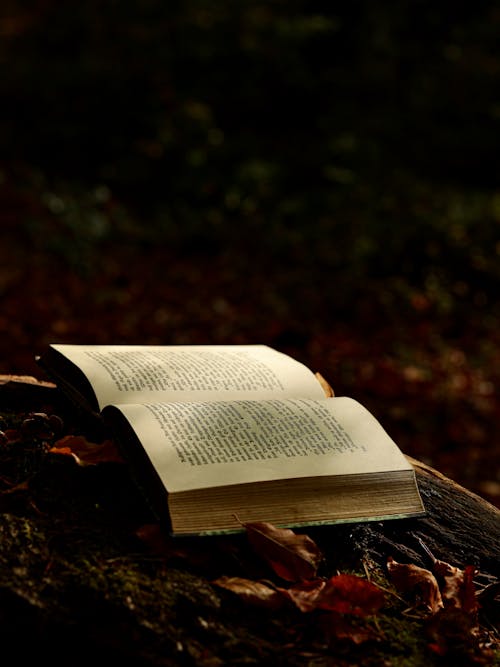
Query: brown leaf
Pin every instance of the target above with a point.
(350, 594)
(468, 597)
(253, 592)
(305, 595)
(458, 588)
(343, 593)
(293, 557)
(454, 631)
(325, 385)
(408, 577)
(87, 453)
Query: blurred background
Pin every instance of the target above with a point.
(322, 177)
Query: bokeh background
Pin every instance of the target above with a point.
(319, 176)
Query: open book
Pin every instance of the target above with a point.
(217, 435)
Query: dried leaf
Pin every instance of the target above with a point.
(458, 587)
(409, 577)
(253, 592)
(343, 593)
(468, 597)
(86, 453)
(305, 594)
(350, 594)
(293, 557)
(325, 385)
(453, 631)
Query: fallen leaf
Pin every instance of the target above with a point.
(468, 597)
(458, 588)
(86, 453)
(293, 557)
(325, 385)
(453, 631)
(253, 592)
(409, 577)
(305, 594)
(350, 594)
(343, 593)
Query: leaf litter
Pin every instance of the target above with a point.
(345, 607)
(451, 607)
(444, 596)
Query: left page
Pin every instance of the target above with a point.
(136, 373)
(201, 445)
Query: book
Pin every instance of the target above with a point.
(220, 435)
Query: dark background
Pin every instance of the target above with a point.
(319, 176)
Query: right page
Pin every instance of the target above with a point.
(200, 445)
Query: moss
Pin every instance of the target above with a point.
(70, 555)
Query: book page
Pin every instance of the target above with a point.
(134, 373)
(198, 445)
